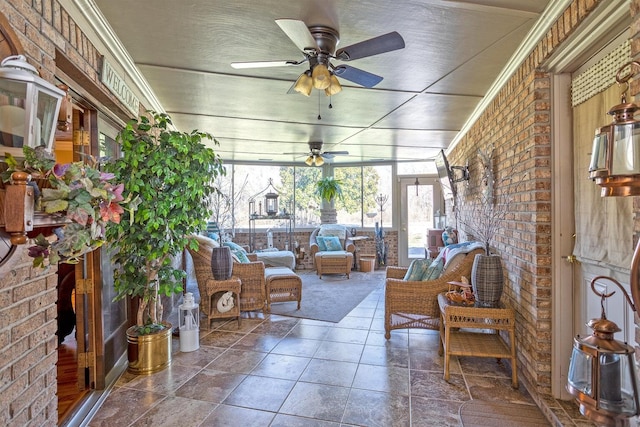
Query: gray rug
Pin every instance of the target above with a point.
(479, 413)
(332, 297)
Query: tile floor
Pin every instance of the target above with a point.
(288, 372)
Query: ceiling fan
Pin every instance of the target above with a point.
(318, 44)
(316, 157)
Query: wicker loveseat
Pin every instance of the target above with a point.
(332, 261)
(414, 304)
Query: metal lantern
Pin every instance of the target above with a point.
(270, 199)
(29, 106)
(271, 203)
(602, 374)
(189, 321)
(615, 156)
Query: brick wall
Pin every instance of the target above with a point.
(28, 296)
(517, 123)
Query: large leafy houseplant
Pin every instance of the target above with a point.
(170, 174)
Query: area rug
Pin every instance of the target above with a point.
(332, 297)
(480, 413)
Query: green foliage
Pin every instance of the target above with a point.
(329, 188)
(171, 176)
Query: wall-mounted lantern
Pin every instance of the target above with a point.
(29, 107)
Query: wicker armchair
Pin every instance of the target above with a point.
(415, 304)
(339, 262)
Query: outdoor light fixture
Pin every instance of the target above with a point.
(29, 106)
(602, 376)
(314, 160)
(615, 157)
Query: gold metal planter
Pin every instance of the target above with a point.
(148, 353)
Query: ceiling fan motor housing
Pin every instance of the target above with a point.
(326, 38)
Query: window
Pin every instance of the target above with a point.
(296, 188)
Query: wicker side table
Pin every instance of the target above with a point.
(457, 340)
(215, 289)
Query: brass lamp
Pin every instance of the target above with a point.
(29, 106)
(615, 157)
(602, 376)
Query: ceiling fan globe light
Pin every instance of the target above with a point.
(334, 86)
(309, 161)
(321, 77)
(304, 84)
(319, 160)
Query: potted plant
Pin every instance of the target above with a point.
(169, 176)
(328, 188)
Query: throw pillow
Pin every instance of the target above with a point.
(433, 271)
(321, 245)
(237, 252)
(206, 241)
(332, 243)
(417, 269)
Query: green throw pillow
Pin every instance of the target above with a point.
(332, 243)
(417, 269)
(321, 244)
(434, 271)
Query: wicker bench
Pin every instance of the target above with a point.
(282, 285)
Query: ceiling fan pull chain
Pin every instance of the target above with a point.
(319, 117)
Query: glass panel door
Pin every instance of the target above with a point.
(417, 216)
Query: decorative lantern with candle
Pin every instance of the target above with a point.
(189, 321)
(29, 106)
(271, 200)
(601, 371)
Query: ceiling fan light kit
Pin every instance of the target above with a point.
(314, 160)
(318, 45)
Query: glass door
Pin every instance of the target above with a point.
(417, 198)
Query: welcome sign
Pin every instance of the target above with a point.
(119, 88)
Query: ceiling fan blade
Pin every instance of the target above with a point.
(356, 75)
(298, 32)
(335, 153)
(264, 64)
(381, 44)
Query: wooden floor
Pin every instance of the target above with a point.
(68, 394)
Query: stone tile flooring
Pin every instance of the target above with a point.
(288, 372)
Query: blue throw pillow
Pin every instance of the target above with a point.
(238, 251)
(332, 243)
(433, 271)
(321, 244)
(417, 269)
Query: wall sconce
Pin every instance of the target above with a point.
(602, 376)
(615, 157)
(29, 107)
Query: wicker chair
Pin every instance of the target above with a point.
(251, 274)
(409, 304)
(328, 262)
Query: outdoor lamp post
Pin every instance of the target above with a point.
(189, 321)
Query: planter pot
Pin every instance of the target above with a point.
(148, 353)
(221, 263)
(487, 280)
